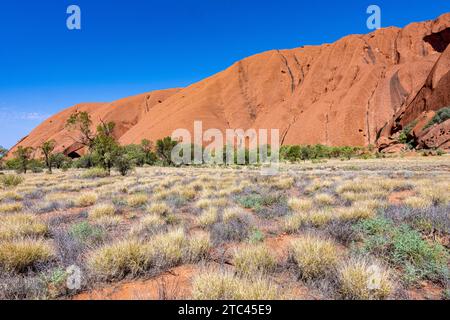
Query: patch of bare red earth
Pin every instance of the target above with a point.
(173, 284)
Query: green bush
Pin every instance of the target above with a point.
(86, 233)
(123, 164)
(441, 116)
(95, 173)
(11, 180)
(405, 248)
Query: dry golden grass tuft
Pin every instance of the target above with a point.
(148, 224)
(108, 221)
(300, 205)
(254, 259)
(132, 257)
(159, 208)
(283, 183)
(356, 186)
(223, 285)
(137, 200)
(86, 199)
(315, 257)
(418, 202)
(437, 194)
(19, 255)
(319, 218)
(361, 280)
(208, 217)
(11, 195)
(324, 199)
(102, 210)
(11, 207)
(291, 224)
(119, 259)
(358, 211)
(21, 225)
(197, 248)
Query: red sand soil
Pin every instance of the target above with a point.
(399, 197)
(176, 284)
(335, 94)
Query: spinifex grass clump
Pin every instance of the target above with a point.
(315, 257)
(223, 285)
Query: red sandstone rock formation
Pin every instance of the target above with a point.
(351, 92)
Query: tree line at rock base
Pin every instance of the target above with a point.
(104, 152)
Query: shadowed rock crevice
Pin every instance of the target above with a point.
(439, 40)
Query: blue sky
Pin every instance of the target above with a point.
(134, 46)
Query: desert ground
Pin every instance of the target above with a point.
(358, 229)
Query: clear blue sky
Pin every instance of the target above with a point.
(134, 46)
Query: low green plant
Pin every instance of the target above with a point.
(441, 115)
(87, 233)
(405, 248)
(10, 180)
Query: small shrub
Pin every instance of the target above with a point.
(314, 257)
(10, 180)
(441, 116)
(405, 248)
(254, 259)
(235, 227)
(87, 233)
(22, 254)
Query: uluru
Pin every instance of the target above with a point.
(358, 91)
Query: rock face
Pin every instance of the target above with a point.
(352, 92)
(437, 136)
(126, 113)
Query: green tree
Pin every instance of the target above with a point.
(3, 153)
(164, 149)
(82, 122)
(122, 161)
(23, 156)
(135, 154)
(105, 147)
(47, 150)
(147, 148)
(59, 160)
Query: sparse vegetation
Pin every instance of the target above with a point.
(334, 231)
